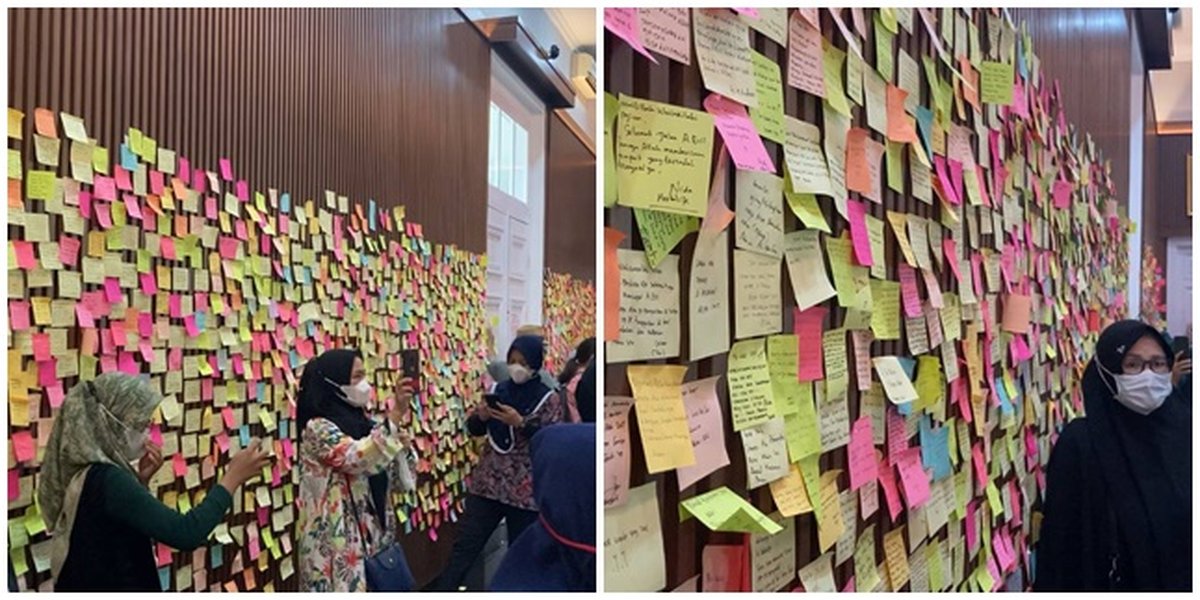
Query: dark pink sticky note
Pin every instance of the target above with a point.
(625, 24)
(23, 445)
(14, 484)
(18, 315)
(68, 249)
(226, 170)
(908, 290)
(179, 464)
(24, 252)
(913, 477)
(807, 326)
(741, 137)
(47, 372)
(41, 346)
(856, 212)
(242, 190)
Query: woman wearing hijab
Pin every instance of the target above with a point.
(501, 485)
(349, 464)
(558, 552)
(1119, 490)
(568, 379)
(103, 518)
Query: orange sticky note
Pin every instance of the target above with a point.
(899, 124)
(612, 284)
(863, 158)
(1017, 309)
(43, 121)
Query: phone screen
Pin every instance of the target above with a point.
(411, 363)
(493, 400)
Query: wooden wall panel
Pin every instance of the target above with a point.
(371, 103)
(570, 202)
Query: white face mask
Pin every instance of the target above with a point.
(357, 395)
(1144, 392)
(519, 373)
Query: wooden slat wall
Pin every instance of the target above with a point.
(384, 104)
(570, 201)
(626, 72)
(372, 103)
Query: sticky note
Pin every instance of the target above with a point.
(768, 115)
(805, 68)
(722, 44)
(807, 325)
(805, 160)
(896, 382)
(634, 556)
(861, 452)
(722, 509)
(706, 429)
(662, 421)
(749, 379)
(740, 136)
(667, 31)
(670, 174)
(806, 268)
(625, 24)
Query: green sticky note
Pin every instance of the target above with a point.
(895, 166)
(996, 79)
(885, 58)
(993, 496)
(100, 159)
(39, 185)
(810, 470)
(854, 78)
(887, 17)
(15, 171)
(723, 510)
(801, 427)
(661, 232)
(808, 211)
(768, 115)
(611, 105)
(33, 521)
(782, 362)
(933, 560)
(665, 155)
(17, 556)
(831, 60)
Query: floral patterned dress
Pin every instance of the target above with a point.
(332, 465)
(508, 477)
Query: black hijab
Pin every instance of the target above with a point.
(321, 398)
(1146, 462)
(525, 397)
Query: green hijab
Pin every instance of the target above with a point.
(91, 427)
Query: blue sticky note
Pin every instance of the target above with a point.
(285, 202)
(1006, 406)
(1022, 68)
(935, 449)
(201, 319)
(216, 554)
(909, 365)
(293, 358)
(129, 160)
(925, 128)
(244, 435)
(283, 428)
(260, 391)
(164, 578)
(371, 214)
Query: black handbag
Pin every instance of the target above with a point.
(387, 570)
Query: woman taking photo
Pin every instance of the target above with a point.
(104, 519)
(349, 464)
(1117, 512)
(501, 485)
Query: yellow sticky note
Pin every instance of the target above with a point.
(611, 108)
(39, 185)
(896, 557)
(899, 224)
(15, 119)
(791, 498)
(15, 170)
(768, 115)
(267, 418)
(996, 79)
(41, 310)
(835, 90)
(662, 420)
(930, 383)
(664, 153)
(829, 522)
(885, 313)
(723, 510)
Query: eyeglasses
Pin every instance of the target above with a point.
(1133, 365)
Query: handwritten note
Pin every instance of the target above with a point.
(768, 83)
(837, 373)
(896, 557)
(837, 126)
(707, 431)
(662, 421)
(875, 89)
(772, 557)
(817, 576)
(996, 81)
(913, 478)
(832, 59)
(771, 22)
(616, 449)
(625, 24)
(805, 70)
(661, 232)
(863, 163)
(741, 138)
(895, 380)
(663, 156)
(805, 161)
(789, 493)
(833, 413)
(723, 510)
(757, 302)
(612, 284)
(806, 268)
(866, 575)
(749, 379)
(708, 289)
(782, 361)
(765, 449)
(667, 31)
(723, 51)
(858, 233)
(634, 559)
(649, 309)
(861, 453)
(830, 525)
(802, 429)
(759, 212)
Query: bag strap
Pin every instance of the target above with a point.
(1114, 554)
(362, 535)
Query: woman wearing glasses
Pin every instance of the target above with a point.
(1117, 512)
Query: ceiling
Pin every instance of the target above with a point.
(1172, 89)
(577, 25)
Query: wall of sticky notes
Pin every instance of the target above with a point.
(855, 260)
(162, 222)
(569, 316)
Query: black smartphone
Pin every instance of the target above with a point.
(411, 364)
(1180, 343)
(492, 400)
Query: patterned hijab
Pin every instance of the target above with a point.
(91, 428)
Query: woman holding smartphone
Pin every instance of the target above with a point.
(501, 485)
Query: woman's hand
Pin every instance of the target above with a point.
(245, 465)
(1183, 366)
(508, 415)
(150, 462)
(482, 411)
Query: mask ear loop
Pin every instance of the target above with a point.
(1105, 371)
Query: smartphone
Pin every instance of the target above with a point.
(411, 364)
(493, 400)
(1181, 343)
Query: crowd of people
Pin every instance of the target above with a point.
(536, 473)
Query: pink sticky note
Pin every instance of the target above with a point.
(132, 206)
(1019, 349)
(807, 327)
(41, 346)
(897, 435)
(887, 481)
(180, 465)
(55, 395)
(68, 249)
(227, 415)
(972, 533)
(147, 350)
(979, 176)
(749, 12)
(951, 251)
(956, 176)
(856, 212)
(84, 316)
(189, 323)
(226, 169)
(104, 188)
(863, 467)
(18, 314)
(85, 204)
(908, 290)
(24, 252)
(708, 434)
(718, 215)
(1062, 193)
(433, 536)
(14, 484)
(47, 372)
(128, 364)
(112, 289)
(624, 23)
(939, 165)
(745, 146)
(913, 477)
(23, 445)
(981, 472)
(229, 247)
(242, 190)
(104, 215)
(121, 176)
(149, 287)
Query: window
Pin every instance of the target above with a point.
(508, 155)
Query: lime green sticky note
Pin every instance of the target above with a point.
(887, 17)
(135, 140)
(895, 166)
(661, 232)
(885, 47)
(929, 382)
(15, 118)
(611, 107)
(805, 207)
(993, 495)
(933, 560)
(39, 185)
(665, 155)
(723, 510)
(768, 115)
(835, 90)
(810, 470)
(17, 556)
(800, 427)
(100, 159)
(15, 171)
(33, 520)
